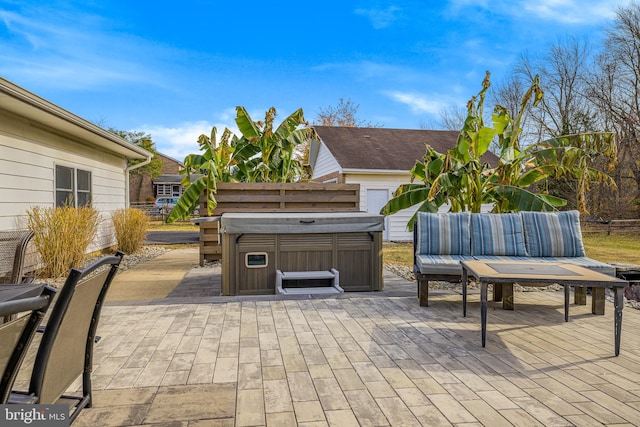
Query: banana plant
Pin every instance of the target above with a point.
(202, 172)
(267, 155)
(463, 181)
(261, 154)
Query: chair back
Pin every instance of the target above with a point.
(13, 247)
(66, 349)
(17, 334)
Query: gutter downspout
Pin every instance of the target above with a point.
(126, 178)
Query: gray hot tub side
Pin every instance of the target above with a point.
(256, 245)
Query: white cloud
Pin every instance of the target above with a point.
(563, 11)
(182, 139)
(380, 18)
(419, 104)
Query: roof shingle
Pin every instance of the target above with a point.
(383, 148)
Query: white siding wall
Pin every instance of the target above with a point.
(27, 171)
(325, 163)
(396, 224)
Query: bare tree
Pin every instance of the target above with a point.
(345, 114)
(614, 87)
(565, 109)
(509, 94)
(452, 117)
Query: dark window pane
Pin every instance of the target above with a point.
(84, 180)
(64, 198)
(64, 178)
(84, 199)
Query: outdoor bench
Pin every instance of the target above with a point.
(442, 240)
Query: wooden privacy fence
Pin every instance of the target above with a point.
(272, 197)
(611, 226)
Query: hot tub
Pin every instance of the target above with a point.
(256, 245)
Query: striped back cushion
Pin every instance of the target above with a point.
(553, 234)
(497, 234)
(443, 233)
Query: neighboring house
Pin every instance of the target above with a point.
(379, 159)
(144, 189)
(49, 156)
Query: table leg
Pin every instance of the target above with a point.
(566, 302)
(483, 310)
(465, 278)
(617, 317)
(497, 292)
(507, 296)
(597, 300)
(580, 295)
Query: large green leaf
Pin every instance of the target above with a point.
(247, 127)
(189, 200)
(485, 136)
(519, 199)
(406, 195)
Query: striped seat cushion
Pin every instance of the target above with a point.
(443, 233)
(553, 234)
(497, 234)
(448, 265)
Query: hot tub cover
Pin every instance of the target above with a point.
(300, 222)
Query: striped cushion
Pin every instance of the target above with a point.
(497, 234)
(553, 234)
(448, 265)
(443, 233)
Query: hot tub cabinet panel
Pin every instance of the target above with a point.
(255, 245)
(256, 278)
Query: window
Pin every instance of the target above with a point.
(163, 190)
(84, 187)
(73, 187)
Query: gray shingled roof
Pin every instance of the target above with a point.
(382, 148)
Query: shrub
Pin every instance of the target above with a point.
(131, 228)
(62, 236)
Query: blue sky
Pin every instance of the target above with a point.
(175, 69)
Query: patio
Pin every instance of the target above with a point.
(361, 359)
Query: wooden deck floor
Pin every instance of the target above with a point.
(365, 360)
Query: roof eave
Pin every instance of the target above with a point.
(355, 171)
(23, 103)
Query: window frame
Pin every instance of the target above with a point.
(81, 192)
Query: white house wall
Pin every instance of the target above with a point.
(396, 224)
(325, 163)
(27, 171)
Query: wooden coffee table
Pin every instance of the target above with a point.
(567, 275)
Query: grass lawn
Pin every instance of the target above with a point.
(617, 247)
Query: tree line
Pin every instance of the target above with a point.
(587, 87)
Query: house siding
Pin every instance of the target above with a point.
(396, 224)
(28, 156)
(325, 163)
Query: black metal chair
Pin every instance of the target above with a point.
(13, 248)
(17, 334)
(66, 349)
